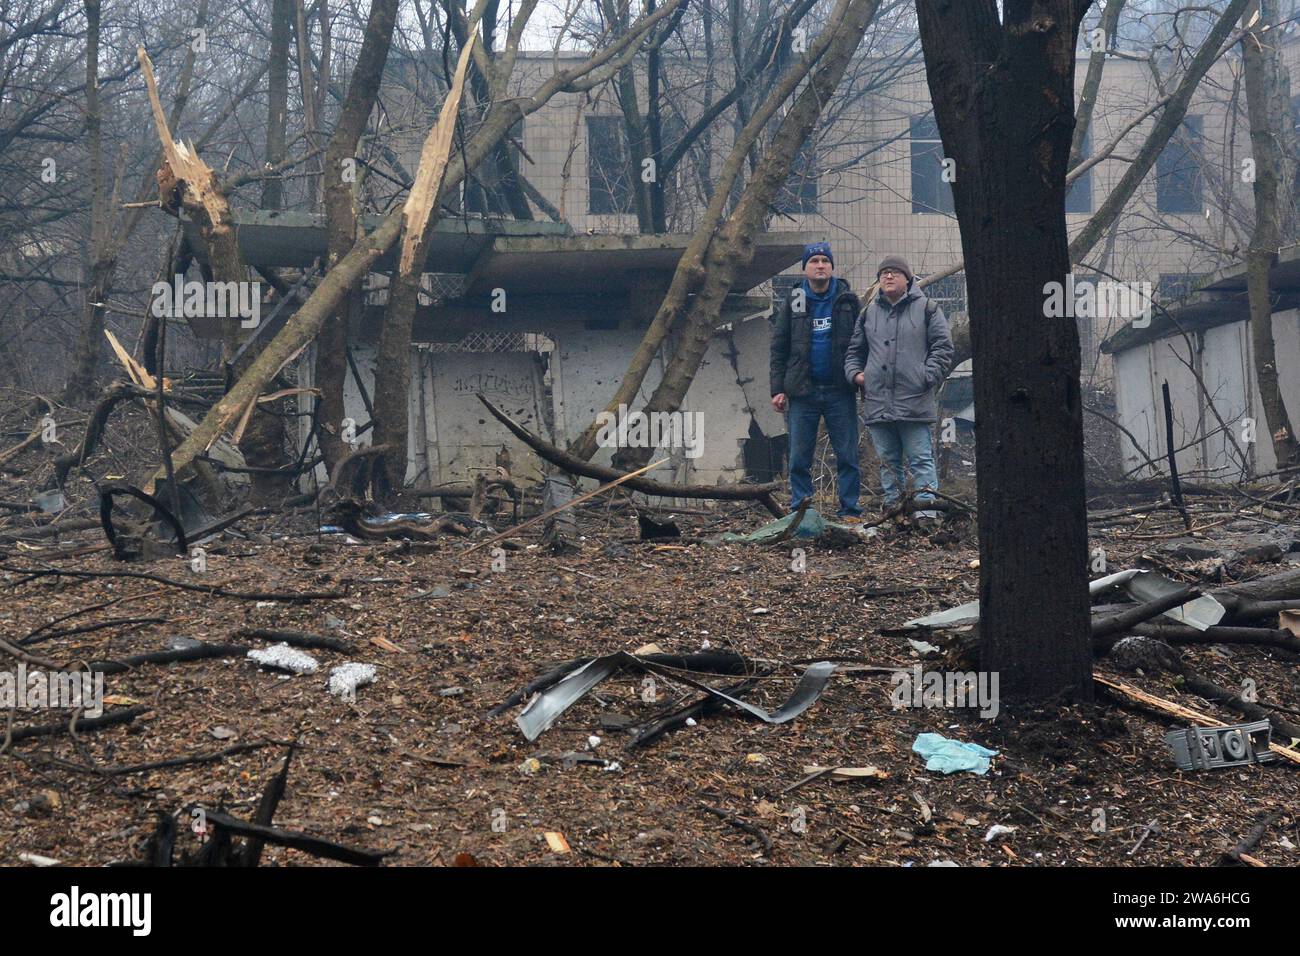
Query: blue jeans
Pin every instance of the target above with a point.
(896, 440)
(840, 409)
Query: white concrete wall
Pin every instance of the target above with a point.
(587, 368)
(451, 436)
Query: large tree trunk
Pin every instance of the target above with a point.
(1267, 112)
(420, 215)
(1003, 97)
(341, 222)
(263, 442)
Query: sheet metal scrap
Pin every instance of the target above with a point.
(1142, 586)
(1206, 748)
(546, 708)
(1146, 586)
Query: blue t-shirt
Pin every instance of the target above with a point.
(819, 310)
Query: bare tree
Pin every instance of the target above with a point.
(1003, 94)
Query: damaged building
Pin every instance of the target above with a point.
(544, 322)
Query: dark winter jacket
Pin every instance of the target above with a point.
(791, 355)
(905, 351)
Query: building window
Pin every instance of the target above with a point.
(1078, 198)
(799, 194)
(949, 292)
(1177, 285)
(930, 194)
(1178, 170)
(484, 191)
(608, 189)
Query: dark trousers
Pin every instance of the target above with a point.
(839, 407)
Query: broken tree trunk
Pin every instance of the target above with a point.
(186, 182)
(419, 215)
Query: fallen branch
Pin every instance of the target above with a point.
(110, 719)
(585, 469)
(1182, 634)
(1204, 687)
(201, 588)
(1240, 853)
(121, 770)
(296, 841)
(1125, 620)
(510, 532)
(49, 530)
(740, 824)
(202, 652)
(100, 625)
(33, 437)
(296, 638)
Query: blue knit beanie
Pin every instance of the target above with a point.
(817, 249)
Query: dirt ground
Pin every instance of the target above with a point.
(416, 768)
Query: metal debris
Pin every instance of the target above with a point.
(1205, 748)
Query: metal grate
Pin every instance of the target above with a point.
(495, 342)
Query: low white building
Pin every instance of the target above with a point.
(1201, 346)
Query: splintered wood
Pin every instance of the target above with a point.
(433, 164)
(181, 163)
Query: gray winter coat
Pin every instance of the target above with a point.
(905, 351)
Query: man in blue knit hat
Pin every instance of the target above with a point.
(810, 338)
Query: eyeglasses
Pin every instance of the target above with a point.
(890, 272)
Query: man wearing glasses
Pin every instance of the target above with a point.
(900, 353)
